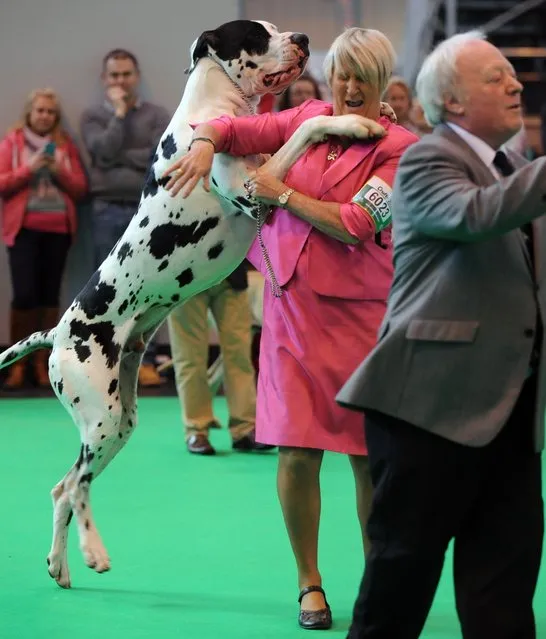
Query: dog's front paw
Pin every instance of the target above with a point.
(356, 126)
(316, 129)
(57, 567)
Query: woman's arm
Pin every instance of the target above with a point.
(327, 218)
(11, 180)
(72, 180)
(324, 216)
(351, 222)
(245, 135)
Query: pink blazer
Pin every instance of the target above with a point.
(362, 271)
(15, 184)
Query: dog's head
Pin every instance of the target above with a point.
(255, 55)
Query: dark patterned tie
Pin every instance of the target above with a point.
(505, 168)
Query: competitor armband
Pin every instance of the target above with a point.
(375, 198)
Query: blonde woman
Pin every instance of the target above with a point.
(333, 256)
(41, 177)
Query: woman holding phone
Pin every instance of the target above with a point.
(41, 178)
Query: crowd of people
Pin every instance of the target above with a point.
(412, 258)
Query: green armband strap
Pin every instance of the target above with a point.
(375, 198)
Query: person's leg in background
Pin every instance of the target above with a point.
(231, 311)
(52, 253)
(189, 338)
(23, 264)
(110, 221)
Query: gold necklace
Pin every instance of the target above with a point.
(332, 154)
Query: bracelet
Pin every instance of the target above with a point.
(202, 140)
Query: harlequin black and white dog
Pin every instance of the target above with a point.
(173, 249)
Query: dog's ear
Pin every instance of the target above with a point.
(200, 47)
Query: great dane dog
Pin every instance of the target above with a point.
(173, 249)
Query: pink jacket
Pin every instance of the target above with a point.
(15, 180)
(362, 271)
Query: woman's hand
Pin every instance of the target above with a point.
(194, 166)
(265, 188)
(37, 162)
(53, 164)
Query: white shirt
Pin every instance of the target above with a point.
(485, 152)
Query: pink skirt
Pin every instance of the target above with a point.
(310, 345)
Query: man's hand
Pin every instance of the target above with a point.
(118, 98)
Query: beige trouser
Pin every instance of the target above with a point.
(189, 336)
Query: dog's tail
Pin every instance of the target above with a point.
(42, 339)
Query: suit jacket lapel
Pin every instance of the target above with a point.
(486, 178)
(353, 156)
(539, 231)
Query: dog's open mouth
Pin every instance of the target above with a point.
(273, 80)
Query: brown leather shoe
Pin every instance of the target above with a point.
(148, 376)
(16, 377)
(41, 373)
(199, 444)
(315, 619)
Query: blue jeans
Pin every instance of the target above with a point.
(109, 224)
(110, 220)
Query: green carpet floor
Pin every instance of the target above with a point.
(198, 546)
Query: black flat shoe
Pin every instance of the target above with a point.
(315, 619)
(248, 443)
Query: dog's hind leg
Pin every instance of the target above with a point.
(57, 560)
(100, 443)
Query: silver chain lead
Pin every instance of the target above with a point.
(276, 290)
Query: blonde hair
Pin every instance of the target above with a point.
(398, 81)
(57, 134)
(367, 53)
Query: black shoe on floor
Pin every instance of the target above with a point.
(199, 444)
(248, 443)
(315, 619)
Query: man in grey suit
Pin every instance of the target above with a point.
(454, 393)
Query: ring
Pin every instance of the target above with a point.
(248, 188)
(178, 172)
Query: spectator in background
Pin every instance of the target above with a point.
(41, 178)
(304, 88)
(399, 96)
(189, 334)
(120, 135)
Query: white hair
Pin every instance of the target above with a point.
(438, 75)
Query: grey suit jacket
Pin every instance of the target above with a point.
(455, 345)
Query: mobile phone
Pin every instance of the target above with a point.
(49, 148)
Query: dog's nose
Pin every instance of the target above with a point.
(301, 40)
